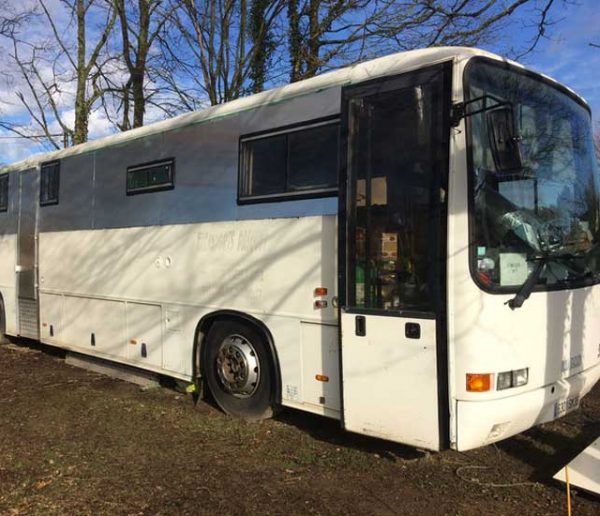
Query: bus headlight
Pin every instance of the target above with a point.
(516, 378)
(520, 377)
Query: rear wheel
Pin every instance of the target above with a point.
(238, 370)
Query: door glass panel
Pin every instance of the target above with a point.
(395, 153)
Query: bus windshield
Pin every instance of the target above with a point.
(545, 211)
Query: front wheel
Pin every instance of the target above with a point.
(238, 370)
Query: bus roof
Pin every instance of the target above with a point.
(380, 67)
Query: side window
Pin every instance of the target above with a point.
(4, 193)
(294, 163)
(49, 183)
(151, 177)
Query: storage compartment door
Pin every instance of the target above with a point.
(144, 334)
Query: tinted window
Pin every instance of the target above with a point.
(291, 163)
(150, 177)
(549, 206)
(49, 183)
(313, 158)
(267, 167)
(396, 161)
(4, 192)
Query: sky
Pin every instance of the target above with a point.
(566, 55)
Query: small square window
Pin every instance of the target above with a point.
(4, 192)
(151, 177)
(49, 183)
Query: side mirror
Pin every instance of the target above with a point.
(504, 140)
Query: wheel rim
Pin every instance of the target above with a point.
(238, 368)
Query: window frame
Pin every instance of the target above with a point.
(5, 183)
(347, 205)
(54, 200)
(170, 185)
(309, 193)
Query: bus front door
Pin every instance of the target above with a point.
(392, 231)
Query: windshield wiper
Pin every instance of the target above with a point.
(542, 260)
(525, 291)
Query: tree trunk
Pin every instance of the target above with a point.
(80, 131)
(295, 41)
(138, 72)
(262, 44)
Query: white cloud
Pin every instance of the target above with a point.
(14, 149)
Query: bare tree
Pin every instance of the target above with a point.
(330, 33)
(312, 24)
(10, 18)
(140, 23)
(262, 42)
(61, 68)
(212, 52)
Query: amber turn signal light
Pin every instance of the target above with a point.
(322, 378)
(320, 291)
(477, 382)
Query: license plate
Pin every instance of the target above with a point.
(563, 407)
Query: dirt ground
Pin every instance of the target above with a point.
(75, 442)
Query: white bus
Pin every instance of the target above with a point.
(408, 245)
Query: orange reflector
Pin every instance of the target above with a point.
(322, 378)
(133, 341)
(45, 324)
(477, 382)
(320, 291)
(319, 303)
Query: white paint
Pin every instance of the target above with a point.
(476, 419)
(390, 381)
(584, 470)
(320, 356)
(144, 330)
(8, 280)
(116, 284)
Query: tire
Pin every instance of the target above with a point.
(238, 370)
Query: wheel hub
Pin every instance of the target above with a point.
(237, 366)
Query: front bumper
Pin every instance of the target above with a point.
(483, 422)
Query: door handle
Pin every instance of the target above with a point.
(360, 325)
(412, 330)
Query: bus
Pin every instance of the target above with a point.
(408, 245)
